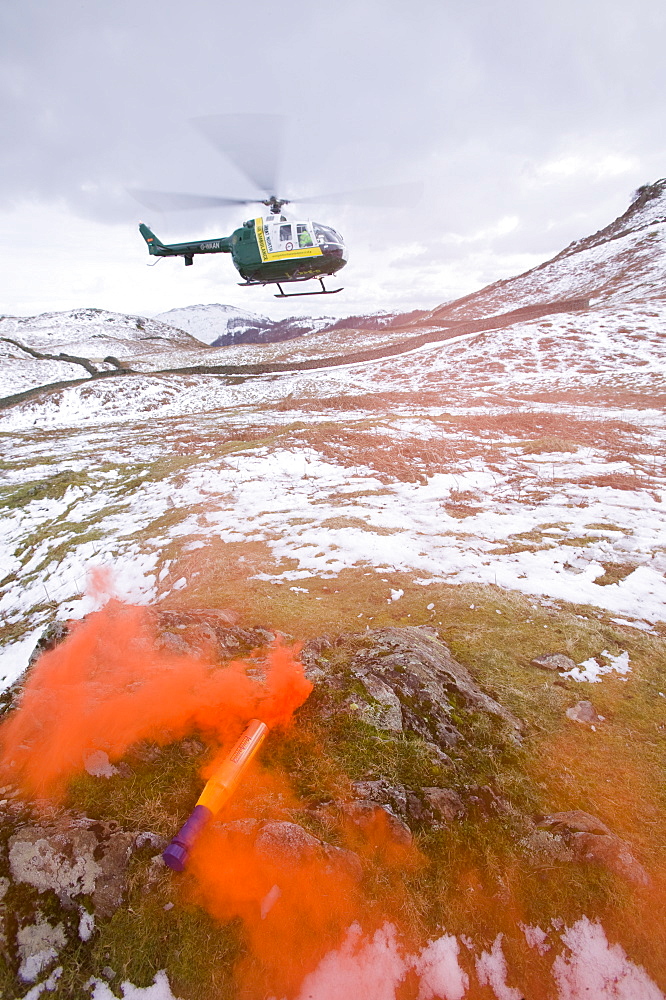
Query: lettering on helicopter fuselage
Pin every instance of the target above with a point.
(211, 246)
(261, 238)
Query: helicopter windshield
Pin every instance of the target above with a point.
(326, 235)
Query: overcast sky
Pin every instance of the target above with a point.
(529, 124)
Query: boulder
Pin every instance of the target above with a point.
(382, 791)
(591, 840)
(377, 822)
(611, 852)
(288, 845)
(585, 713)
(111, 883)
(384, 711)
(573, 820)
(432, 805)
(554, 661)
(58, 858)
(445, 803)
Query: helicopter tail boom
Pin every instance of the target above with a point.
(186, 250)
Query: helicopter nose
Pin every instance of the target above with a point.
(335, 250)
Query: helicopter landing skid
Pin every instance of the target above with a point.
(293, 295)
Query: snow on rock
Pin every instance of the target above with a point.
(14, 658)
(86, 925)
(536, 938)
(592, 671)
(98, 765)
(374, 966)
(439, 972)
(38, 946)
(491, 970)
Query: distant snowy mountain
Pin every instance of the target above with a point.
(221, 325)
(376, 321)
(621, 263)
(210, 322)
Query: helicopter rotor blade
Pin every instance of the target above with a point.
(168, 201)
(253, 143)
(386, 194)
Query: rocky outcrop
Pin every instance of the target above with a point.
(404, 680)
(207, 631)
(407, 690)
(210, 632)
(76, 857)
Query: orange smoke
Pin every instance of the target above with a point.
(108, 685)
(295, 904)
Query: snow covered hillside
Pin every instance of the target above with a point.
(531, 457)
(625, 261)
(52, 347)
(92, 331)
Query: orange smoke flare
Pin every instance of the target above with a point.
(217, 791)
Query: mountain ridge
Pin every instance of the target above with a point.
(624, 261)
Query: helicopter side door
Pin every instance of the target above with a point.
(279, 237)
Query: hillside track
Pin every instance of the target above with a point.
(434, 334)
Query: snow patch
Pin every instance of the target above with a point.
(592, 671)
(160, 990)
(593, 968)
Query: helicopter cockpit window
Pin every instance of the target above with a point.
(285, 234)
(325, 234)
(304, 238)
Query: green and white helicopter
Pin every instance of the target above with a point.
(268, 249)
